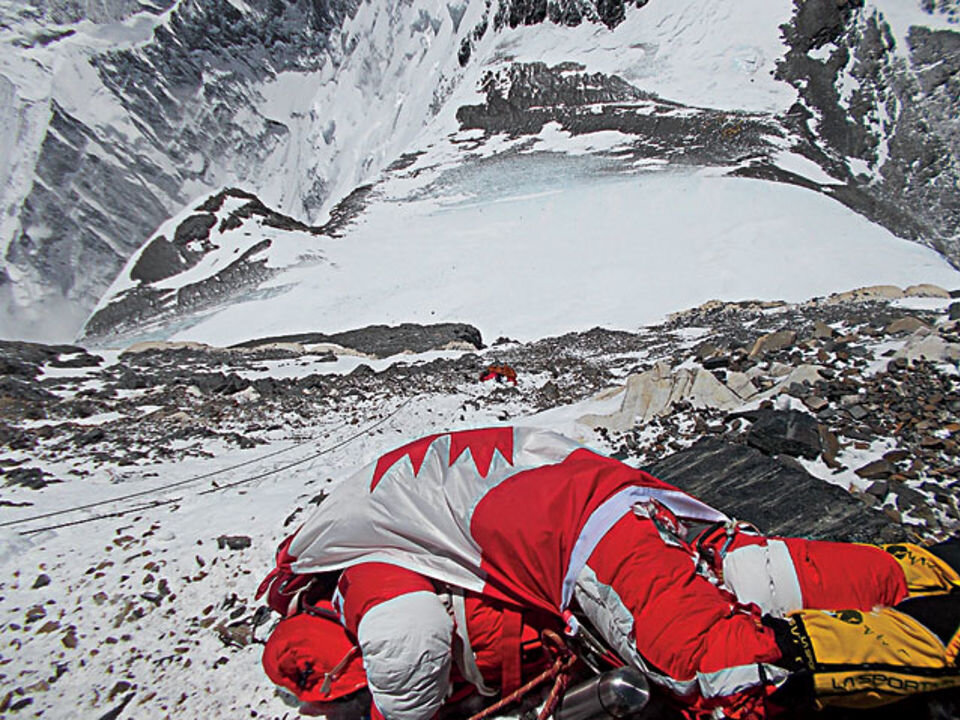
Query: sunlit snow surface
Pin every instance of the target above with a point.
(707, 53)
(533, 245)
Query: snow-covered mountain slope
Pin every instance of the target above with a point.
(121, 113)
(516, 243)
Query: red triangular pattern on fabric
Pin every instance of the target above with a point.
(482, 444)
(417, 450)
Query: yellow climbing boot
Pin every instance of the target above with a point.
(864, 659)
(925, 571)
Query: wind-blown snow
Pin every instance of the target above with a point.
(619, 252)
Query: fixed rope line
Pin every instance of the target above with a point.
(118, 513)
(160, 503)
(159, 488)
(333, 447)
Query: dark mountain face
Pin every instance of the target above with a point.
(884, 114)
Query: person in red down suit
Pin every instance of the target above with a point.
(439, 565)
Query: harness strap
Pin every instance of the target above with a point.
(512, 662)
(334, 673)
(466, 659)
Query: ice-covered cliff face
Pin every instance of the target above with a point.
(879, 85)
(120, 113)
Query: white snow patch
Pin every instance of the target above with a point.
(616, 252)
(804, 167)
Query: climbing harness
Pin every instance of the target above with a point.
(560, 672)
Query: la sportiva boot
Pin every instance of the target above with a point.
(928, 571)
(863, 659)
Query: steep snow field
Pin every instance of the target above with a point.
(548, 252)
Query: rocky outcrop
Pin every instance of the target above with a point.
(779, 499)
(522, 98)
(383, 341)
(881, 115)
(233, 233)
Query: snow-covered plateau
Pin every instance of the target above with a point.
(249, 246)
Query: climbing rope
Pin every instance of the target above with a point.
(159, 488)
(159, 503)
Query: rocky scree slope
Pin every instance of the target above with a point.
(836, 418)
(827, 377)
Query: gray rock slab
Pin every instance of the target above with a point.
(778, 499)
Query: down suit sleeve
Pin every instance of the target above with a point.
(405, 635)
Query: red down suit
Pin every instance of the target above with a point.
(530, 518)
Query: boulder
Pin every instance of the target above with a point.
(772, 342)
(779, 499)
(787, 432)
(905, 325)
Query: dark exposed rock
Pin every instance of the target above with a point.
(33, 478)
(82, 359)
(195, 228)
(908, 498)
(94, 435)
(219, 384)
(234, 542)
(16, 389)
(748, 485)
(523, 97)
(115, 712)
(879, 489)
(383, 340)
(789, 432)
(42, 581)
(158, 261)
(876, 469)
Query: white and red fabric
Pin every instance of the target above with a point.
(511, 513)
(782, 575)
(531, 518)
(419, 641)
